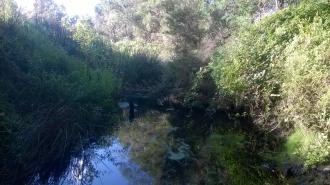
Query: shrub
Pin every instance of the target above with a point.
(280, 67)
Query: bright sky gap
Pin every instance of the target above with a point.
(73, 7)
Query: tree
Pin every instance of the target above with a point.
(9, 12)
(48, 11)
(188, 23)
(115, 19)
(52, 18)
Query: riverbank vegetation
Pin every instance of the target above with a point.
(57, 90)
(249, 83)
(281, 71)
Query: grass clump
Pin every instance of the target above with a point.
(310, 148)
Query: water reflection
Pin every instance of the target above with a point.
(106, 165)
(152, 150)
(157, 150)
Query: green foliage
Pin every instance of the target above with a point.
(46, 64)
(47, 95)
(306, 88)
(224, 150)
(132, 65)
(179, 76)
(201, 95)
(4, 130)
(127, 23)
(139, 47)
(94, 48)
(183, 34)
(280, 66)
(187, 22)
(57, 83)
(232, 15)
(310, 148)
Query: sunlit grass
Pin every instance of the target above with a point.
(305, 147)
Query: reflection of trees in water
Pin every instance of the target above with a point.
(81, 170)
(48, 147)
(78, 170)
(147, 140)
(155, 155)
(155, 149)
(135, 175)
(85, 168)
(98, 161)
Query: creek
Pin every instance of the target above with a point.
(167, 147)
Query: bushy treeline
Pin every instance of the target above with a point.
(182, 34)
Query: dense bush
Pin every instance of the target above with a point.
(46, 95)
(31, 58)
(279, 69)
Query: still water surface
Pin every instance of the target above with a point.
(159, 149)
(108, 164)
